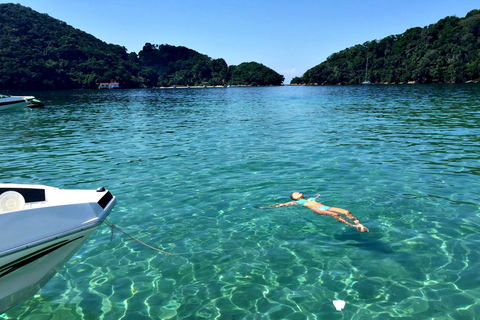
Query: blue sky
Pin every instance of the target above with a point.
(287, 36)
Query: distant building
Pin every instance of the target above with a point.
(109, 85)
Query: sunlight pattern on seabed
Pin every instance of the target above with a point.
(183, 164)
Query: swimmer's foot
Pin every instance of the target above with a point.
(360, 227)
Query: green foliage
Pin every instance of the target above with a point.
(171, 65)
(40, 52)
(256, 74)
(447, 51)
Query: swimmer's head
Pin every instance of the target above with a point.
(296, 196)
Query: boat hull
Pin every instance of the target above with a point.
(41, 228)
(14, 102)
(27, 271)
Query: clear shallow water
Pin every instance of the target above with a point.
(183, 164)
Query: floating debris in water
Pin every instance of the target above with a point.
(339, 304)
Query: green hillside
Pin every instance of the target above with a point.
(256, 74)
(447, 51)
(167, 65)
(40, 52)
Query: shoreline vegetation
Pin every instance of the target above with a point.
(215, 87)
(380, 83)
(309, 85)
(42, 53)
(444, 52)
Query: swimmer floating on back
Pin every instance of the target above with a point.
(320, 208)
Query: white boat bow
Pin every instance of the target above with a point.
(41, 229)
(8, 102)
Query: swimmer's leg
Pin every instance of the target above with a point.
(344, 212)
(337, 217)
(334, 215)
(360, 227)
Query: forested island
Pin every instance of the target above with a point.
(445, 52)
(166, 65)
(41, 52)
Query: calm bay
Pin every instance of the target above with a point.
(183, 163)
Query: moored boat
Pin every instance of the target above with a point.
(41, 228)
(8, 102)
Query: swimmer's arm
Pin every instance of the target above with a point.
(291, 203)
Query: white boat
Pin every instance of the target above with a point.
(7, 102)
(41, 228)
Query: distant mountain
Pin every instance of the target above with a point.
(40, 52)
(447, 51)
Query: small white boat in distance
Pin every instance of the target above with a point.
(8, 102)
(41, 228)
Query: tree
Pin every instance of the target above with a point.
(253, 73)
(40, 52)
(447, 51)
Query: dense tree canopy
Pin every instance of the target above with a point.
(40, 52)
(447, 51)
(253, 73)
(169, 65)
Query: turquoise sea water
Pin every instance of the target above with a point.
(183, 163)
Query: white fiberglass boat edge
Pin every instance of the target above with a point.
(41, 228)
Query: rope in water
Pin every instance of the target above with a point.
(111, 225)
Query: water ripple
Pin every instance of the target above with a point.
(183, 164)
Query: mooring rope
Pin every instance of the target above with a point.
(111, 225)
